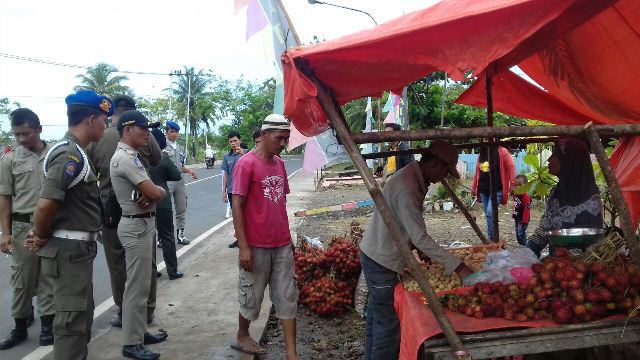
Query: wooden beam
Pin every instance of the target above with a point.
(465, 211)
(494, 174)
(606, 131)
(614, 190)
(386, 154)
(396, 230)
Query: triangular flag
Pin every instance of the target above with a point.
(390, 119)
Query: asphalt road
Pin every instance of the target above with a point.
(205, 210)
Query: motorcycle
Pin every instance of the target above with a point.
(209, 161)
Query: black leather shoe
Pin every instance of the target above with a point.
(16, 336)
(139, 351)
(46, 333)
(149, 318)
(154, 339)
(116, 320)
(158, 274)
(175, 275)
(233, 244)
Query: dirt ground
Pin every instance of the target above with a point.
(343, 337)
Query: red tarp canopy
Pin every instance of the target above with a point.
(454, 36)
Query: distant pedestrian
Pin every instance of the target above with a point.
(21, 177)
(137, 196)
(177, 188)
(228, 163)
(67, 221)
(160, 174)
(521, 211)
(394, 163)
(260, 221)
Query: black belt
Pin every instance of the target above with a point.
(140, 216)
(25, 218)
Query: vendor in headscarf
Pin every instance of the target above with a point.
(575, 200)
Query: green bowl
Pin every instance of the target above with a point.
(578, 237)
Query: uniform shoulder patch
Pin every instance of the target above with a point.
(138, 163)
(72, 168)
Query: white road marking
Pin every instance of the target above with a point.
(42, 351)
(203, 179)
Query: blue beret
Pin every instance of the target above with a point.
(91, 99)
(172, 125)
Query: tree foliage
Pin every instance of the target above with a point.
(101, 79)
(6, 107)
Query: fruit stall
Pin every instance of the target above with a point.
(559, 44)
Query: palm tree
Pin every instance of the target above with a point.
(191, 88)
(100, 79)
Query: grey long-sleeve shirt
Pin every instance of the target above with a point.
(405, 192)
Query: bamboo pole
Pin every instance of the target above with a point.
(614, 190)
(293, 30)
(465, 211)
(606, 131)
(397, 232)
(386, 154)
(493, 168)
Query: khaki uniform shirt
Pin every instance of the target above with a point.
(21, 177)
(176, 155)
(127, 172)
(101, 152)
(405, 193)
(80, 207)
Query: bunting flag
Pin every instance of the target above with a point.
(256, 17)
(368, 148)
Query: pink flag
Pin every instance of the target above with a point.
(314, 157)
(391, 118)
(256, 17)
(296, 138)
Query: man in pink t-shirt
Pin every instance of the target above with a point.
(260, 220)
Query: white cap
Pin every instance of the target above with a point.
(275, 122)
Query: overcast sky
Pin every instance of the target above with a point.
(150, 36)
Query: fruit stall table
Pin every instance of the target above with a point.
(495, 337)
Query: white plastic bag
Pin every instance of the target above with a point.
(315, 242)
(498, 266)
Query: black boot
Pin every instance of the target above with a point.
(31, 319)
(46, 332)
(139, 351)
(16, 336)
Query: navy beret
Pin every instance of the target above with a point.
(172, 125)
(91, 99)
(124, 101)
(135, 117)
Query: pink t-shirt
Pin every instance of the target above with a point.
(264, 185)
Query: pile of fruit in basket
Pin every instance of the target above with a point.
(473, 256)
(326, 278)
(561, 289)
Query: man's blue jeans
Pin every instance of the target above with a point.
(488, 213)
(382, 339)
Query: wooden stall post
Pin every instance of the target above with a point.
(465, 211)
(493, 166)
(614, 189)
(334, 113)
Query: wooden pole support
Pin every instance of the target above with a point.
(334, 113)
(494, 175)
(465, 211)
(614, 190)
(497, 132)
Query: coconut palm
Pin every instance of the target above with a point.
(101, 79)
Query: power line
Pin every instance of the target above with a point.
(56, 63)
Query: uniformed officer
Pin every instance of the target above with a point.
(178, 191)
(137, 195)
(100, 154)
(67, 221)
(21, 178)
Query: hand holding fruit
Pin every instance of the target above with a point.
(463, 270)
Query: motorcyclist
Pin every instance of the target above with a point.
(209, 156)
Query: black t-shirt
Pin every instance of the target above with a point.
(483, 178)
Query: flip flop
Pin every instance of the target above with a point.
(235, 346)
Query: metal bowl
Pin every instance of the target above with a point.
(578, 237)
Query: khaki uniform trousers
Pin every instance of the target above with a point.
(179, 193)
(138, 240)
(26, 277)
(114, 254)
(70, 264)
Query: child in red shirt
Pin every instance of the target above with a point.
(521, 211)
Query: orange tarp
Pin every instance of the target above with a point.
(454, 36)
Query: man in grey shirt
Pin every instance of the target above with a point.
(381, 260)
